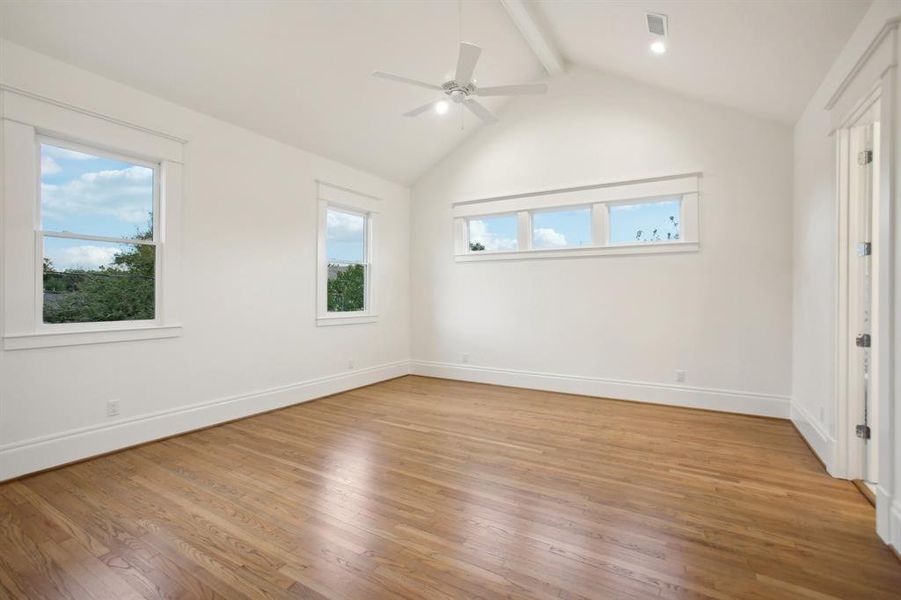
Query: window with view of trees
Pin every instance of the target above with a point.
(98, 236)
(346, 249)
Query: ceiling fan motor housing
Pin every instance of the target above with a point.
(457, 91)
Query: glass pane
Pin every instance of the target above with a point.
(345, 236)
(87, 281)
(346, 287)
(656, 221)
(561, 228)
(493, 234)
(92, 195)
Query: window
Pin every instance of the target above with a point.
(347, 268)
(91, 227)
(493, 234)
(97, 235)
(561, 228)
(643, 216)
(345, 287)
(653, 221)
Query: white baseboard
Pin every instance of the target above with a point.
(895, 526)
(28, 456)
(675, 395)
(816, 436)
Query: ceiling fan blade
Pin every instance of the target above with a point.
(513, 90)
(421, 109)
(407, 80)
(480, 111)
(466, 62)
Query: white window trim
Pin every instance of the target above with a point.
(27, 121)
(340, 198)
(685, 187)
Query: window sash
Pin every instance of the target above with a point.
(365, 262)
(41, 234)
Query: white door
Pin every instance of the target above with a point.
(863, 180)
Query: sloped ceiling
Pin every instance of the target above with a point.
(299, 72)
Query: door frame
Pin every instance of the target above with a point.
(851, 451)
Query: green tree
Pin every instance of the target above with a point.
(122, 291)
(347, 291)
(476, 246)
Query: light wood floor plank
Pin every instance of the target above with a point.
(425, 488)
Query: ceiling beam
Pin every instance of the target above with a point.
(540, 42)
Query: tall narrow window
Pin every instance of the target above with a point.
(348, 261)
(98, 235)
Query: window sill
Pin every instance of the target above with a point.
(348, 319)
(618, 249)
(53, 339)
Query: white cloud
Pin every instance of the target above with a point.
(545, 237)
(478, 233)
(82, 257)
(63, 153)
(49, 166)
(125, 194)
(344, 227)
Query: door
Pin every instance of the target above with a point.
(861, 280)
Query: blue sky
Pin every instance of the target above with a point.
(345, 239)
(561, 228)
(571, 227)
(627, 219)
(91, 195)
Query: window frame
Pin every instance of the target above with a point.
(41, 234)
(27, 120)
(355, 203)
(599, 198)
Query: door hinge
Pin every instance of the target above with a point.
(864, 249)
(862, 431)
(862, 340)
(865, 157)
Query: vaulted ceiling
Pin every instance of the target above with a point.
(299, 72)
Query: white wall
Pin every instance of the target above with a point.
(617, 325)
(814, 401)
(248, 299)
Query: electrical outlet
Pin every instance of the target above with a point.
(350, 364)
(680, 375)
(112, 408)
(465, 359)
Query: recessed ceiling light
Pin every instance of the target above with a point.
(441, 107)
(658, 47)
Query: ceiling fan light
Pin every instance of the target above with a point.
(441, 107)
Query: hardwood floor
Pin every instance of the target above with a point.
(424, 488)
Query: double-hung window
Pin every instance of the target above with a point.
(97, 235)
(346, 229)
(91, 227)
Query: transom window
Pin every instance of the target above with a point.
(561, 228)
(656, 221)
(98, 235)
(642, 216)
(496, 233)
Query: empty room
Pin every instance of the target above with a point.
(446, 299)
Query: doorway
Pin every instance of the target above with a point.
(858, 290)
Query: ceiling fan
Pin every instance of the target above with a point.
(462, 90)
